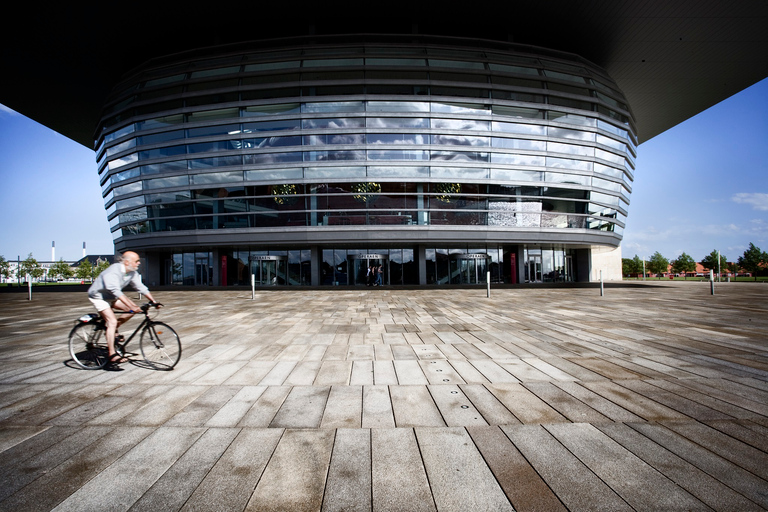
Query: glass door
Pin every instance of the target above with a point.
(534, 269)
(201, 271)
(269, 270)
(361, 263)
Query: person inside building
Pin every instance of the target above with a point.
(106, 294)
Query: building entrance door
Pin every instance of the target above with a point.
(361, 263)
(202, 271)
(533, 269)
(469, 268)
(269, 270)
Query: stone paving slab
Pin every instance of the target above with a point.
(652, 397)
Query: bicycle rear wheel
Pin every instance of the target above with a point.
(160, 346)
(88, 346)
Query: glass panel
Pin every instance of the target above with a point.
(397, 106)
(123, 146)
(394, 62)
(280, 175)
(334, 172)
(332, 62)
(163, 167)
(213, 114)
(396, 138)
(168, 197)
(399, 172)
(534, 145)
(456, 64)
(125, 175)
(398, 155)
(214, 72)
(571, 149)
(319, 156)
(569, 164)
(268, 126)
(174, 181)
(120, 162)
(512, 159)
(161, 122)
(460, 140)
(514, 175)
(512, 69)
(563, 117)
(397, 122)
(271, 66)
(460, 108)
(271, 158)
(216, 161)
(610, 157)
(519, 112)
(334, 106)
(127, 189)
(564, 76)
(131, 203)
(570, 134)
(340, 138)
(575, 179)
(162, 152)
(532, 129)
(165, 80)
(462, 173)
(459, 156)
(204, 147)
(217, 177)
(334, 123)
(268, 110)
(272, 142)
(460, 124)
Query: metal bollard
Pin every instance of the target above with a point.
(601, 283)
(488, 280)
(711, 282)
(253, 286)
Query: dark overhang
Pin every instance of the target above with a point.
(673, 59)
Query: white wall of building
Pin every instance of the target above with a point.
(607, 259)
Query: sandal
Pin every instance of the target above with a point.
(117, 359)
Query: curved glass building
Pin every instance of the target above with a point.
(305, 161)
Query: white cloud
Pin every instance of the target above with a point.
(757, 200)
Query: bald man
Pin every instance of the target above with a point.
(106, 294)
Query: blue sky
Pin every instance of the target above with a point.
(700, 186)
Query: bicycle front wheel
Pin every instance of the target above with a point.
(88, 346)
(160, 346)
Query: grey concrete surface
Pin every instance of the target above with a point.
(652, 397)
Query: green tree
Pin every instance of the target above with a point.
(632, 265)
(32, 267)
(658, 264)
(684, 264)
(733, 268)
(84, 270)
(627, 266)
(60, 269)
(753, 260)
(711, 262)
(5, 268)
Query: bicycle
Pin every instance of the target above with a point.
(159, 344)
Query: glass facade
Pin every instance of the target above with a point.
(319, 148)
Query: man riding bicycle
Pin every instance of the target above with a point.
(106, 293)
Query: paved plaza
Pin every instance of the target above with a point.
(652, 397)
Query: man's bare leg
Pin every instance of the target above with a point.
(112, 324)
